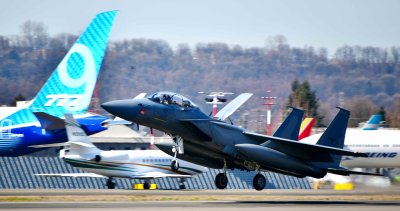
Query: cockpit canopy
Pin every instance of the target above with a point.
(172, 98)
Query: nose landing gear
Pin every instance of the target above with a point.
(177, 148)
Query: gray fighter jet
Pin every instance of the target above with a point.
(216, 144)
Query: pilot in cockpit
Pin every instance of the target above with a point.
(166, 99)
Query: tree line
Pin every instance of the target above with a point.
(360, 78)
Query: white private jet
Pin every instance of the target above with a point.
(80, 152)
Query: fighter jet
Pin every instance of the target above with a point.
(216, 144)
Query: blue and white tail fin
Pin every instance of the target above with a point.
(69, 89)
(373, 122)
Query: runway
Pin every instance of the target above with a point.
(204, 205)
(365, 199)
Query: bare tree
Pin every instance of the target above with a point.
(34, 34)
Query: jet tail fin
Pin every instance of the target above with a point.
(289, 129)
(334, 134)
(76, 135)
(69, 89)
(305, 128)
(373, 122)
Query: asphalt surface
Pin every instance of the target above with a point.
(394, 190)
(361, 199)
(205, 205)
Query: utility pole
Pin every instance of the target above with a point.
(151, 138)
(268, 103)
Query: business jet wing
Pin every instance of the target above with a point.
(155, 175)
(229, 109)
(71, 175)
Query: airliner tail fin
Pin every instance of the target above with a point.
(69, 89)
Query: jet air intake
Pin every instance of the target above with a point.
(278, 160)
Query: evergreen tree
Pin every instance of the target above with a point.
(302, 97)
(382, 112)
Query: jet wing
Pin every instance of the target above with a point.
(117, 121)
(49, 145)
(198, 127)
(300, 149)
(229, 109)
(49, 122)
(71, 175)
(155, 175)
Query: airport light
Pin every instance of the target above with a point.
(268, 103)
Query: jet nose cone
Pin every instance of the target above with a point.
(117, 107)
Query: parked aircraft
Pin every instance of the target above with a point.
(69, 89)
(81, 153)
(381, 146)
(307, 124)
(217, 144)
(305, 128)
(373, 123)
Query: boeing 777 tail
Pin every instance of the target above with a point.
(68, 90)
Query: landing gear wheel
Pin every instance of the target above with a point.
(259, 182)
(146, 185)
(174, 165)
(110, 183)
(182, 187)
(221, 181)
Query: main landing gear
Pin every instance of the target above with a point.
(182, 184)
(146, 184)
(221, 180)
(177, 148)
(110, 183)
(259, 180)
